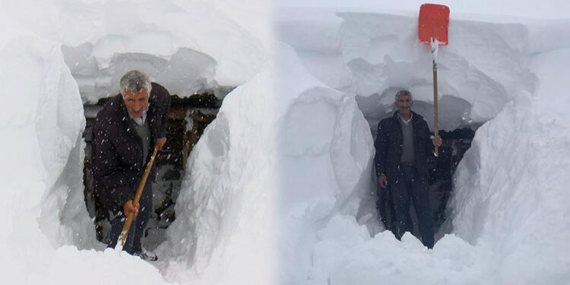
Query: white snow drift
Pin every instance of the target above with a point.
(510, 181)
(279, 189)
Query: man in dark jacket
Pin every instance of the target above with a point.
(125, 132)
(404, 152)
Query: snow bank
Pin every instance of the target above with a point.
(70, 266)
(278, 189)
(480, 9)
(41, 129)
(508, 214)
(512, 194)
(187, 46)
(42, 192)
(324, 161)
(372, 55)
(225, 229)
(56, 54)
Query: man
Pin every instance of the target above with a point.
(403, 157)
(125, 132)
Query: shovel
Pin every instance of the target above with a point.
(432, 29)
(138, 193)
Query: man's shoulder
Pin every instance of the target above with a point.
(418, 119)
(159, 96)
(112, 106)
(155, 87)
(388, 121)
(158, 91)
(112, 111)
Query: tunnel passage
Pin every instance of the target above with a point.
(441, 182)
(455, 144)
(187, 119)
(456, 130)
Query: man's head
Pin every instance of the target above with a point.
(135, 88)
(404, 102)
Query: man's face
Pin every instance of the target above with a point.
(136, 102)
(404, 104)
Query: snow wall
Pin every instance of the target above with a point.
(275, 187)
(225, 231)
(507, 214)
(188, 46)
(57, 55)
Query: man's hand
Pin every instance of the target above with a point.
(437, 140)
(129, 207)
(160, 143)
(382, 181)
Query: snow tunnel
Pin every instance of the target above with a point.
(472, 89)
(511, 209)
(373, 56)
(62, 66)
(341, 72)
(195, 101)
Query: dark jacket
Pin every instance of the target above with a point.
(389, 143)
(117, 153)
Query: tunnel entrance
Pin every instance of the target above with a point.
(455, 144)
(187, 119)
(457, 132)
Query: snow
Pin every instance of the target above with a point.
(280, 187)
(547, 9)
(225, 231)
(503, 212)
(188, 46)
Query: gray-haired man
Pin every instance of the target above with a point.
(403, 155)
(125, 131)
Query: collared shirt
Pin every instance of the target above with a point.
(404, 120)
(139, 121)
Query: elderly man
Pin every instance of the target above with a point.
(403, 157)
(125, 131)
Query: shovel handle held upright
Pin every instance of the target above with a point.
(435, 129)
(138, 193)
(433, 23)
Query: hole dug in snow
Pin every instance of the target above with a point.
(187, 119)
(187, 73)
(456, 130)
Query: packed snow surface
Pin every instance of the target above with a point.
(279, 190)
(508, 216)
(188, 46)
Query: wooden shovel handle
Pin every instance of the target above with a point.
(435, 130)
(128, 222)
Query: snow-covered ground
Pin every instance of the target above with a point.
(278, 190)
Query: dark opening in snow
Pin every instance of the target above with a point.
(187, 119)
(457, 134)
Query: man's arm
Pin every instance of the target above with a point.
(429, 145)
(160, 142)
(381, 144)
(105, 166)
(129, 207)
(435, 140)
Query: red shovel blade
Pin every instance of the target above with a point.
(433, 23)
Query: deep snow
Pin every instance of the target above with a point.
(278, 190)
